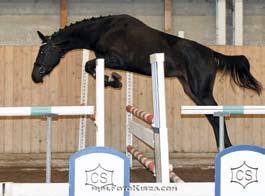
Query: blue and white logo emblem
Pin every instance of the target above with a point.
(99, 171)
(244, 175)
(99, 177)
(240, 170)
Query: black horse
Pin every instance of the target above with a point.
(126, 43)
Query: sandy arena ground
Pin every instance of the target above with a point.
(26, 175)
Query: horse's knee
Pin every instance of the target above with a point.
(89, 68)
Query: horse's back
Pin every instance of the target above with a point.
(134, 41)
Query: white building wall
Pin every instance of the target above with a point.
(20, 19)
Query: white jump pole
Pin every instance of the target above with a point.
(47, 110)
(231, 109)
(159, 126)
(100, 116)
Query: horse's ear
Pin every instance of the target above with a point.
(42, 37)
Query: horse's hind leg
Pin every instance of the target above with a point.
(113, 81)
(214, 121)
(207, 99)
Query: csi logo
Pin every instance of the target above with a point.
(99, 177)
(244, 175)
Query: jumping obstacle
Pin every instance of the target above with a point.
(221, 112)
(244, 181)
(157, 137)
(55, 111)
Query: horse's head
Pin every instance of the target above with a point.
(48, 57)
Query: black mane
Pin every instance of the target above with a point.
(82, 23)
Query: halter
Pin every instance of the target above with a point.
(43, 67)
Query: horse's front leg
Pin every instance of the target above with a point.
(113, 81)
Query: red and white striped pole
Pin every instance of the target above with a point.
(144, 116)
(149, 163)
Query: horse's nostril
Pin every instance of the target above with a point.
(42, 70)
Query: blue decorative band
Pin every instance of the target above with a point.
(39, 111)
(234, 109)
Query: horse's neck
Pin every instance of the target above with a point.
(84, 37)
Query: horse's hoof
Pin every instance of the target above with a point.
(115, 76)
(115, 84)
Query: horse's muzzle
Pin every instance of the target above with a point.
(36, 79)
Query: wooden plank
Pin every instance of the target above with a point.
(44, 101)
(115, 117)
(186, 134)
(168, 15)
(77, 69)
(144, 134)
(74, 64)
(35, 139)
(220, 97)
(253, 126)
(136, 80)
(170, 111)
(17, 100)
(2, 99)
(178, 121)
(91, 129)
(142, 94)
(26, 100)
(122, 113)
(63, 13)
(148, 106)
(54, 99)
(59, 142)
(261, 70)
(9, 97)
(65, 133)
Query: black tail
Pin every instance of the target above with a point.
(239, 68)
